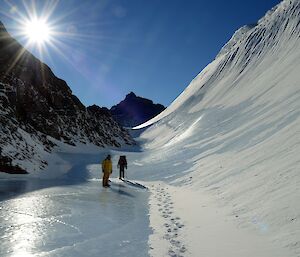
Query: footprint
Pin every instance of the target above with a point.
(175, 242)
(183, 249)
(174, 220)
(171, 253)
(167, 236)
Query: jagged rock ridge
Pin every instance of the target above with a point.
(135, 110)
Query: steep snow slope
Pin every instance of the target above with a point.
(235, 130)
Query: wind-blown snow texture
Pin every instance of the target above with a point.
(235, 130)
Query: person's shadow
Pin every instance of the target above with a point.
(120, 189)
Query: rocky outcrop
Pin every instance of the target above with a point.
(7, 166)
(135, 110)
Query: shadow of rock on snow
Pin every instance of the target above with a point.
(78, 174)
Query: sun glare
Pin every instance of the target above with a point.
(37, 31)
(43, 31)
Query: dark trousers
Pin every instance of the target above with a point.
(121, 172)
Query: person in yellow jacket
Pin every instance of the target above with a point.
(107, 170)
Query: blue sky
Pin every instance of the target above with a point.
(106, 48)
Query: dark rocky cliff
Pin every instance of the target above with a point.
(135, 110)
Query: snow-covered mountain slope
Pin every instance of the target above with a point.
(235, 130)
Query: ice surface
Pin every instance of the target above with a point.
(73, 216)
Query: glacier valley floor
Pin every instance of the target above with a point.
(75, 216)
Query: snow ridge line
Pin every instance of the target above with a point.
(245, 49)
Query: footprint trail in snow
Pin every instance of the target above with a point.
(172, 224)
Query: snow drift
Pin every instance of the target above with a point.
(235, 130)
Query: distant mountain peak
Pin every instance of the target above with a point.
(130, 95)
(135, 110)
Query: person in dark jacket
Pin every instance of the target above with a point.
(122, 164)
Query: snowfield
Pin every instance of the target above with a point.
(216, 173)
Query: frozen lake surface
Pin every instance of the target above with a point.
(73, 216)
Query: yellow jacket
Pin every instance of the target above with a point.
(107, 166)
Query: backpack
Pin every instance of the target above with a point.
(123, 160)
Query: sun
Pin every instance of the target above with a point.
(37, 31)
